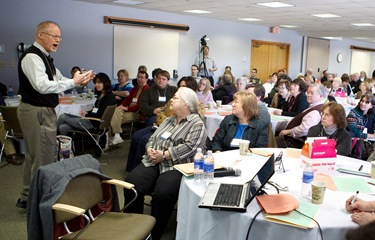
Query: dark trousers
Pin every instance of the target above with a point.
(286, 141)
(137, 147)
(163, 188)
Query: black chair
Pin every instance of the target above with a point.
(11, 125)
(97, 134)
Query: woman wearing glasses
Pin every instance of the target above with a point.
(332, 125)
(361, 117)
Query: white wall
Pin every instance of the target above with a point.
(88, 42)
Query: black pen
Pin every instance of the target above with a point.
(360, 168)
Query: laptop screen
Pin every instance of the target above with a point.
(260, 179)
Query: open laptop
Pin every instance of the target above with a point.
(236, 197)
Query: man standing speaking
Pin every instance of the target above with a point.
(40, 82)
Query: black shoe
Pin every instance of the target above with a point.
(14, 159)
(21, 203)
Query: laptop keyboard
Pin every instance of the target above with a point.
(228, 195)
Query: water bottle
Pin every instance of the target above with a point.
(84, 90)
(10, 92)
(198, 165)
(208, 167)
(307, 178)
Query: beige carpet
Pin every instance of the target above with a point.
(13, 219)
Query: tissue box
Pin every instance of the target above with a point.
(320, 153)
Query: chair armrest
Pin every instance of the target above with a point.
(68, 208)
(125, 185)
(91, 118)
(119, 183)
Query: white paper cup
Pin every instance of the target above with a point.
(373, 169)
(73, 99)
(84, 96)
(218, 103)
(318, 189)
(210, 105)
(244, 146)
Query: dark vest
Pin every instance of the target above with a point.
(296, 121)
(28, 93)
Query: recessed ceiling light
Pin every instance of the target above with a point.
(275, 4)
(129, 2)
(325, 15)
(362, 24)
(288, 26)
(250, 19)
(197, 11)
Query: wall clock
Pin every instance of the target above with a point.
(339, 57)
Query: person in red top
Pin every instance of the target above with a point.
(127, 111)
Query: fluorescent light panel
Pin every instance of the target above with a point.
(250, 19)
(325, 15)
(275, 4)
(333, 38)
(197, 11)
(362, 24)
(289, 26)
(129, 2)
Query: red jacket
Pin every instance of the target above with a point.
(128, 100)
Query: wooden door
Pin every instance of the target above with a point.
(268, 57)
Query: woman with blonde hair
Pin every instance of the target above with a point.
(204, 91)
(243, 123)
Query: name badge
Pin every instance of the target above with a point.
(165, 135)
(162, 99)
(135, 100)
(235, 142)
(95, 110)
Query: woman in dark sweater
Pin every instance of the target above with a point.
(105, 98)
(332, 126)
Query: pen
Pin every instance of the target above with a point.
(354, 198)
(360, 168)
(371, 183)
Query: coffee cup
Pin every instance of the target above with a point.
(373, 169)
(244, 146)
(318, 189)
(84, 96)
(73, 99)
(218, 103)
(210, 105)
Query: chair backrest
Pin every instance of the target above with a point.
(84, 191)
(10, 117)
(107, 117)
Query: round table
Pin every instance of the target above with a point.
(198, 223)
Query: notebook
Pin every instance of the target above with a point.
(236, 197)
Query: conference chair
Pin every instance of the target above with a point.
(11, 125)
(85, 192)
(97, 134)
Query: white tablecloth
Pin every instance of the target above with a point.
(213, 120)
(74, 109)
(198, 223)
